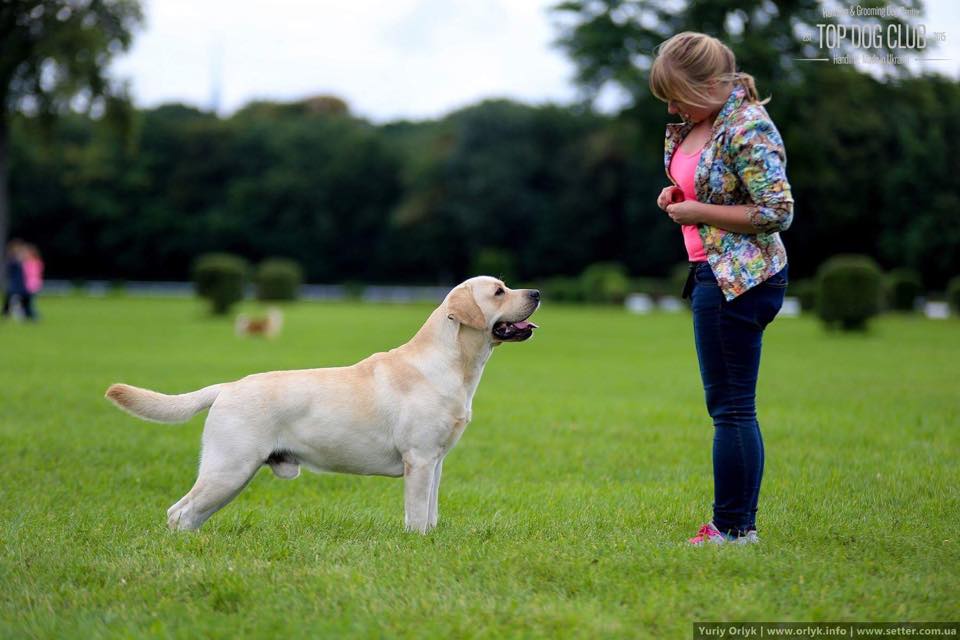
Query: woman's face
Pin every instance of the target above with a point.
(689, 112)
(718, 94)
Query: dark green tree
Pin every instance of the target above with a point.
(53, 57)
(869, 158)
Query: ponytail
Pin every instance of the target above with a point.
(750, 85)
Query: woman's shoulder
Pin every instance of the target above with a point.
(750, 114)
(750, 120)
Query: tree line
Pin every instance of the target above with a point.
(873, 167)
(536, 191)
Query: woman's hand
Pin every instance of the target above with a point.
(684, 212)
(664, 198)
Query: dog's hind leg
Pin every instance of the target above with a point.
(212, 490)
(224, 471)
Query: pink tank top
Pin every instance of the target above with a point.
(33, 274)
(683, 168)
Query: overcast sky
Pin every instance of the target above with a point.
(387, 59)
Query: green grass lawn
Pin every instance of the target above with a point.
(563, 509)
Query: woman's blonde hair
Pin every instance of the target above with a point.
(689, 64)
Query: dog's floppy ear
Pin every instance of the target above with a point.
(464, 309)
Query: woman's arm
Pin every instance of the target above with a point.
(760, 163)
(732, 218)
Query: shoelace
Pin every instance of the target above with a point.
(705, 532)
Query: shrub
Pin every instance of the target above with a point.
(653, 287)
(220, 278)
(903, 287)
(605, 282)
(953, 293)
(278, 279)
(563, 290)
(117, 288)
(806, 291)
(849, 291)
(494, 262)
(354, 289)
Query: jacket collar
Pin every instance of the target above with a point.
(732, 104)
(677, 131)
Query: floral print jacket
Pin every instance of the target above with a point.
(744, 162)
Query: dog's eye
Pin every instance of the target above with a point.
(499, 291)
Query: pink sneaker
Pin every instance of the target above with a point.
(709, 533)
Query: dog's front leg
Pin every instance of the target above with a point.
(435, 494)
(417, 489)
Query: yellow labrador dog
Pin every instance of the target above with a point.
(392, 414)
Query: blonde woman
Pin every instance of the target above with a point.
(731, 198)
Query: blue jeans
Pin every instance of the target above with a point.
(728, 337)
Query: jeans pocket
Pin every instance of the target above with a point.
(756, 307)
(778, 280)
(770, 303)
(703, 275)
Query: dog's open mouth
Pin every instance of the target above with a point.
(513, 331)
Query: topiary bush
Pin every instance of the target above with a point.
(653, 287)
(903, 287)
(220, 278)
(953, 293)
(278, 279)
(117, 288)
(562, 290)
(806, 291)
(605, 282)
(849, 291)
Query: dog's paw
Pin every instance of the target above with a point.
(422, 529)
(180, 519)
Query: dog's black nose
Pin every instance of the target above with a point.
(535, 294)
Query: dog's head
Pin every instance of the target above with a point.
(486, 304)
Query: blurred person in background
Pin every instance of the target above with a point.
(32, 277)
(16, 293)
(731, 197)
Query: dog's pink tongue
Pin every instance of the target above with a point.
(523, 324)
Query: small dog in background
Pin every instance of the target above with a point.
(268, 326)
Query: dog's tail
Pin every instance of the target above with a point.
(159, 407)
